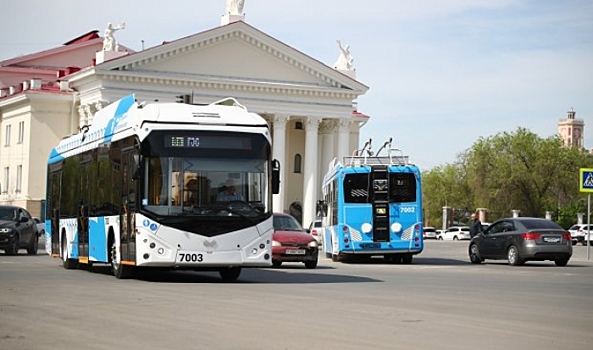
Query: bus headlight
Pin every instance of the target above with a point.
(396, 227)
(366, 227)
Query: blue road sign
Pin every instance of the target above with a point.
(586, 183)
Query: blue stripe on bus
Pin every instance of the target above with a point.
(97, 239)
(122, 108)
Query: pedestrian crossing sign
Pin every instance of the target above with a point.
(586, 182)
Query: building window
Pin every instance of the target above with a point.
(297, 163)
(7, 136)
(5, 182)
(21, 132)
(19, 178)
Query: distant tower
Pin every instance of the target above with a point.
(572, 130)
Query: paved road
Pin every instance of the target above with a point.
(441, 301)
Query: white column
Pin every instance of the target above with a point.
(310, 173)
(278, 153)
(326, 129)
(343, 139)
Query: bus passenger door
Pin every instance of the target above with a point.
(82, 213)
(53, 206)
(128, 205)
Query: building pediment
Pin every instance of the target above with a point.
(236, 53)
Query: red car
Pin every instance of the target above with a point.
(291, 243)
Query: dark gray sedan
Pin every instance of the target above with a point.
(522, 239)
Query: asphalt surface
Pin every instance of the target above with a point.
(440, 301)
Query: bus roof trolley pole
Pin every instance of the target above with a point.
(365, 156)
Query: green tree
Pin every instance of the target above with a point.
(510, 170)
(444, 186)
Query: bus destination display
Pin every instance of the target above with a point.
(184, 141)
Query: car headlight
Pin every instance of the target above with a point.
(276, 244)
(313, 244)
(5, 230)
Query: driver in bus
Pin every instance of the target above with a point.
(230, 193)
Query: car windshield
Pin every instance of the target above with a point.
(286, 223)
(7, 214)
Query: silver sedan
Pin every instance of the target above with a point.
(522, 239)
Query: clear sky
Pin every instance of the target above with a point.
(442, 73)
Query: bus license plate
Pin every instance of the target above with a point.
(189, 257)
(295, 251)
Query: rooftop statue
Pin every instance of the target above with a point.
(345, 60)
(235, 7)
(109, 42)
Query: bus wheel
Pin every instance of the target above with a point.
(407, 258)
(118, 269)
(335, 257)
(69, 264)
(230, 274)
(393, 258)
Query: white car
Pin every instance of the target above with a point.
(455, 233)
(315, 230)
(40, 227)
(578, 234)
(429, 233)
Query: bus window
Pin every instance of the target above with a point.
(402, 187)
(356, 188)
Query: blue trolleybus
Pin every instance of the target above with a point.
(141, 187)
(372, 206)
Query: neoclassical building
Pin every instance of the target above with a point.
(309, 105)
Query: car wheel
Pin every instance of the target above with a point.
(33, 245)
(276, 263)
(513, 256)
(455, 238)
(440, 238)
(474, 254)
(561, 262)
(311, 264)
(68, 263)
(230, 274)
(13, 249)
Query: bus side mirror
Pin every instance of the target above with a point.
(275, 176)
(321, 208)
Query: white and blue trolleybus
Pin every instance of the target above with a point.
(372, 206)
(141, 187)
